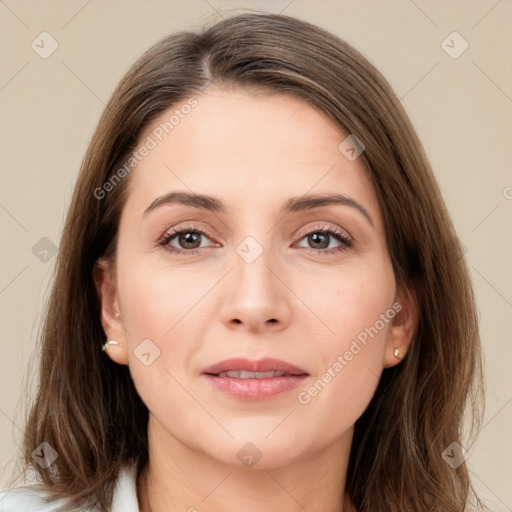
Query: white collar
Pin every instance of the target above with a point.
(35, 499)
(125, 492)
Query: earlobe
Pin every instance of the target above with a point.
(397, 353)
(403, 327)
(116, 351)
(109, 315)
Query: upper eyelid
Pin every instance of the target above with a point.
(326, 227)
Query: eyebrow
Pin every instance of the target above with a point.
(294, 204)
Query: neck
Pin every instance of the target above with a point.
(180, 479)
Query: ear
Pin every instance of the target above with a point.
(403, 325)
(111, 320)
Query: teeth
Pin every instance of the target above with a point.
(242, 374)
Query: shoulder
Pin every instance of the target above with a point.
(28, 499)
(35, 498)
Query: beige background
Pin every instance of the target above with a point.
(461, 108)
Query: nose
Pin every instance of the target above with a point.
(256, 297)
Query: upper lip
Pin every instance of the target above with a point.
(266, 364)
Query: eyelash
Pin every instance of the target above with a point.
(339, 235)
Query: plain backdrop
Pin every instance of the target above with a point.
(459, 99)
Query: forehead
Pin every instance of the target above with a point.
(242, 145)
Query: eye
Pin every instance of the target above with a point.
(187, 238)
(321, 237)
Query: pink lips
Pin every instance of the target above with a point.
(263, 365)
(254, 388)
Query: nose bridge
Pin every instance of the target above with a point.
(256, 296)
(255, 252)
(253, 277)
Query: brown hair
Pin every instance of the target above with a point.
(87, 407)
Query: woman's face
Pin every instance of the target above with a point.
(253, 275)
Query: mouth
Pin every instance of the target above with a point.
(246, 379)
(244, 374)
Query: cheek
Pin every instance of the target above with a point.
(165, 309)
(356, 310)
(336, 398)
(348, 300)
(349, 374)
(158, 299)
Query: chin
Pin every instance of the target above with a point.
(259, 452)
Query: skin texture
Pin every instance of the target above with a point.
(253, 152)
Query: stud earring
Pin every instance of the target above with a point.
(109, 344)
(397, 354)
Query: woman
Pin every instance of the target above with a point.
(260, 299)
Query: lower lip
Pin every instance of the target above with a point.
(255, 389)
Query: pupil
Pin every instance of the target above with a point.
(189, 238)
(320, 238)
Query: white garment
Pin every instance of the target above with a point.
(33, 499)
